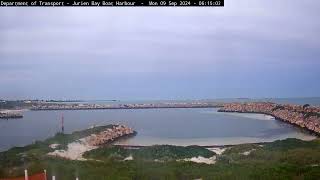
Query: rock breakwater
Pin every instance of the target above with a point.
(77, 106)
(305, 116)
(10, 114)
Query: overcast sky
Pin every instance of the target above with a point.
(257, 49)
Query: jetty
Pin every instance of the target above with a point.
(304, 116)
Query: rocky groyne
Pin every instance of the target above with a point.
(305, 116)
(110, 135)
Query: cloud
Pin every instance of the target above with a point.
(167, 45)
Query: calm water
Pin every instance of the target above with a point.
(154, 126)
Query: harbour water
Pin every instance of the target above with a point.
(200, 126)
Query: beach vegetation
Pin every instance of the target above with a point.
(282, 159)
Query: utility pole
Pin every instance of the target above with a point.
(62, 124)
(26, 177)
(45, 174)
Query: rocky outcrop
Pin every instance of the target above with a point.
(303, 116)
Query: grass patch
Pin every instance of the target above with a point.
(159, 152)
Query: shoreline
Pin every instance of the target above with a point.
(264, 117)
(209, 142)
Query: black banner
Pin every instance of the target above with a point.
(119, 3)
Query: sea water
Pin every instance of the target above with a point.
(181, 126)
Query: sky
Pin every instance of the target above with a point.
(251, 49)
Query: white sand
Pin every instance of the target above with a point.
(201, 159)
(256, 116)
(129, 158)
(149, 141)
(246, 153)
(53, 146)
(74, 151)
(218, 151)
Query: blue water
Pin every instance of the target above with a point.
(154, 126)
